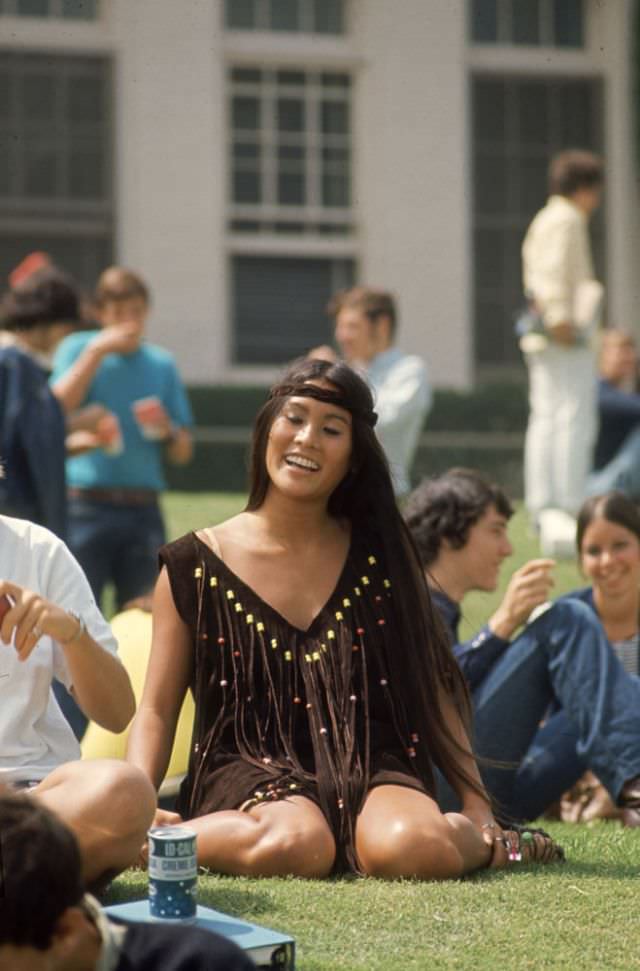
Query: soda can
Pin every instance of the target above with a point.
(173, 873)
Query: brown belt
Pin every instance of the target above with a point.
(117, 497)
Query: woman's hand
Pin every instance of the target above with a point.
(479, 813)
(30, 617)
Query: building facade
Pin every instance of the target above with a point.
(249, 157)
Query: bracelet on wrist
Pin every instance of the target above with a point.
(82, 628)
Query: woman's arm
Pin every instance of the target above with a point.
(101, 685)
(168, 675)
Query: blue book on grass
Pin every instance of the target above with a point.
(266, 948)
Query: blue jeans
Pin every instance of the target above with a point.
(118, 543)
(562, 659)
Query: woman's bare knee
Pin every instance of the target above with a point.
(289, 848)
(409, 850)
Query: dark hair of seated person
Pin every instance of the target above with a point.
(445, 507)
(41, 872)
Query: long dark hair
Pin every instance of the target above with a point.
(425, 669)
(615, 507)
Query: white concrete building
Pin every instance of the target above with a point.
(248, 157)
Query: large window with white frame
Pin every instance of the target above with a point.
(66, 9)
(544, 23)
(518, 124)
(290, 151)
(299, 16)
(55, 160)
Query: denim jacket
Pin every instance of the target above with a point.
(32, 443)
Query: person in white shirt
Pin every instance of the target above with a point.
(365, 327)
(50, 627)
(556, 262)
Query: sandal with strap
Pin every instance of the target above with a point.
(526, 844)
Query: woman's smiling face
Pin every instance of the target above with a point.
(610, 557)
(309, 447)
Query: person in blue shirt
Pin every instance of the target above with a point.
(616, 460)
(561, 666)
(115, 522)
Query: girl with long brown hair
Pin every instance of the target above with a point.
(325, 692)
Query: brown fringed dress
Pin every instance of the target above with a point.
(282, 711)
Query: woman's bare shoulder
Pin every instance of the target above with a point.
(231, 531)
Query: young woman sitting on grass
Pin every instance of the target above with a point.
(325, 691)
(608, 541)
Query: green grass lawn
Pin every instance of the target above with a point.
(583, 914)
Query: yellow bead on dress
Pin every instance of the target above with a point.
(274, 642)
(249, 618)
(260, 626)
(331, 635)
(213, 582)
(288, 656)
(230, 594)
(238, 608)
(197, 572)
(346, 602)
(339, 615)
(372, 561)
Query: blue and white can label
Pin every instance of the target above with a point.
(173, 873)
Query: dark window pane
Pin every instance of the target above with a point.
(246, 150)
(484, 21)
(5, 174)
(38, 93)
(281, 227)
(291, 189)
(246, 187)
(336, 155)
(335, 80)
(297, 78)
(328, 16)
(80, 9)
(83, 256)
(335, 190)
(488, 259)
(245, 113)
(86, 175)
(247, 74)
(86, 100)
(532, 184)
(335, 117)
(284, 15)
(525, 21)
(279, 305)
(32, 8)
(491, 184)
(291, 114)
(244, 226)
(577, 115)
(292, 153)
(40, 169)
(532, 113)
(495, 343)
(568, 23)
(5, 95)
(489, 111)
(240, 14)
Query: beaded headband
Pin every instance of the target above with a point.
(369, 417)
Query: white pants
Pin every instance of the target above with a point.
(562, 427)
